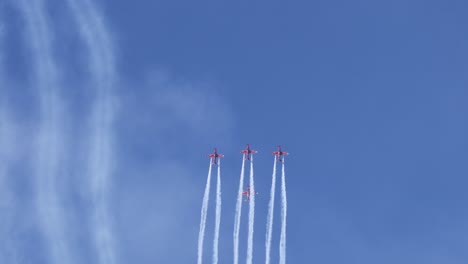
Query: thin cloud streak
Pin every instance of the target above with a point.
(102, 69)
(50, 150)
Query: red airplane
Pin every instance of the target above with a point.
(215, 156)
(248, 193)
(248, 152)
(280, 154)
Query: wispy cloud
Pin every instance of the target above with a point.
(50, 146)
(177, 104)
(102, 69)
(195, 107)
(160, 183)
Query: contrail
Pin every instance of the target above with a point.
(218, 215)
(204, 212)
(251, 214)
(271, 205)
(237, 219)
(102, 68)
(50, 152)
(284, 210)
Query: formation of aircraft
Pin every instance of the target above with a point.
(248, 155)
(248, 193)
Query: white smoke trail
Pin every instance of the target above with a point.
(251, 215)
(237, 217)
(284, 210)
(204, 212)
(218, 215)
(271, 205)
(102, 68)
(50, 151)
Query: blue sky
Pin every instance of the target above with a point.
(108, 109)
